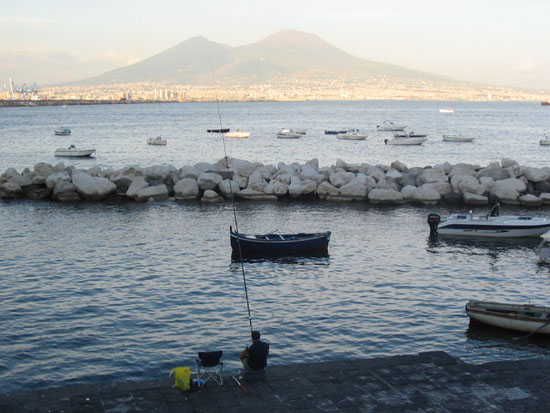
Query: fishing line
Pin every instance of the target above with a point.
(232, 199)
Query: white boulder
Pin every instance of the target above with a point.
(341, 178)
(208, 180)
(186, 188)
(530, 200)
(156, 192)
(276, 188)
(385, 196)
(211, 197)
(91, 187)
(508, 190)
(474, 199)
(326, 189)
(137, 184)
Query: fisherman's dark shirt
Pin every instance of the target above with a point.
(257, 355)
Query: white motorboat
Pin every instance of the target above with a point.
(446, 110)
(352, 135)
(73, 152)
(159, 140)
(237, 134)
(390, 126)
(410, 135)
(405, 141)
(457, 138)
(62, 131)
(288, 134)
(491, 225)
(546, 140)
(528, 318)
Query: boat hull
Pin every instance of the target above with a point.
(279, 245)
(160, 142)
(239, 135)
(508, 227)
(62, 133)
(350, 137)
(82, 153)
(517, 317)
(407, 141)
(289, 135)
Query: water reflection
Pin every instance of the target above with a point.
(476, 246)
(490, 336)
(311, 259)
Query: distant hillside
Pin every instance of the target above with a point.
(287, 53)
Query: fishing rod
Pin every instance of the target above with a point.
(232, 202)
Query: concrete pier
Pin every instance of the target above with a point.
(427, 382)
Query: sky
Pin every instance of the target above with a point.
(501, 43)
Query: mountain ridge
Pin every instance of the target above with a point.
(287, 53)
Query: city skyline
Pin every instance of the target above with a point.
(498, 43)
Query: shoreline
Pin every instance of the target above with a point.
(429, 381)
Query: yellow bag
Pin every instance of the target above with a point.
(183, 377)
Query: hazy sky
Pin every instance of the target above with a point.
(496, 42)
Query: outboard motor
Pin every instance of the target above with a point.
(433, 221)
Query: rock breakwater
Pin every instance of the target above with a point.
(505, 181)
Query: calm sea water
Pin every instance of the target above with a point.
(102, 292)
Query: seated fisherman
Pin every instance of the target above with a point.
(254, 357)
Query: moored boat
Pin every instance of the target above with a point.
(224, 130)
(390, 126)
(457, 138)
(527, 318)
(410, 135)
(405, 141)
(545, 140)
(159, 140)
(352, 135)
(237, 134)
(62, 131)
(334, 132)
(72, 151)
(288, 134)
(279, 244)
(446, 110)
(491, 225)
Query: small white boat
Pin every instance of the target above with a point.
(405, 141)
(491, 225)
(390, 126)
(446, 110)
(352, 135)
(237, 134)
(457, 138)
(546, 140)
(527, 318)
(288, 134)
(73, 152)
(63, 131)
(159, 140)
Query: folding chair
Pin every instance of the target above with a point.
(209, 366)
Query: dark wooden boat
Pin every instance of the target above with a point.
(279, 244)
(225, 130)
